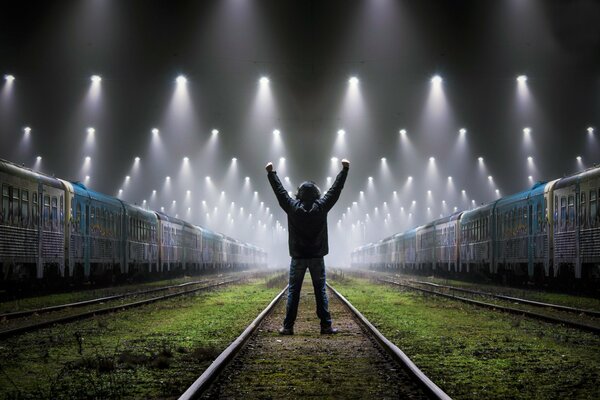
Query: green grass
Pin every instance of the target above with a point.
(53, 299)
(473, 353)
(155, 351)
(566, 299)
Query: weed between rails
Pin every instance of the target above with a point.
(277, 281)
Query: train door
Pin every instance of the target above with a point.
(577, 227)
(530, 240)
(86, 243)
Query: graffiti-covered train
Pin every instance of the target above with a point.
(548, 233)
(52, 230)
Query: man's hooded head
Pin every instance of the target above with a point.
(308, 192)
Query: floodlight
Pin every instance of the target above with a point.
(436, 79)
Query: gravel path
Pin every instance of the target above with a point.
(308, 364)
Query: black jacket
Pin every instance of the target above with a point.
(307, 224)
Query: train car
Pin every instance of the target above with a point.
(576, 226)
(385, 253)
(140, 240)
(426, 247)
(209, 247)
(32, 225)
(476, 255)
(522, 248)
(446, 243)
(409, 244)
(96, 235)
(172, 237)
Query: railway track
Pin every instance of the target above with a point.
(23, 326)
(358, 362)
(497, 306)
(513, 299)
(103, 299)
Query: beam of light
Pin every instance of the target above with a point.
(580, 164)
(521, 79)
(181, 80)
(264, 80)
(353, 80)
(436, 118)
(38, 163)
(527, 140)
(92, 102)
(5, 95)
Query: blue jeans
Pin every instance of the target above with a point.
(298, 267)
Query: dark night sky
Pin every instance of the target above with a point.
(308, 49)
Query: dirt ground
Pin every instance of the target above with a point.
(348, 365)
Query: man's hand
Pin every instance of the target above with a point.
(345, 163)
(269, 167)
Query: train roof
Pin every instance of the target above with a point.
(536, 189)
(590, 173)
(25, 172)
(82, 190)
(134, 209)
(164, 217)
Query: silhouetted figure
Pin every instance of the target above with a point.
(307, 226)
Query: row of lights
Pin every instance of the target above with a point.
(264, 80)
(277, 132)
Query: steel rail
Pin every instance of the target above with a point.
(514, 299)
(208, 376)
(427, 384)
(26, 313)
(76, 317)
(546, 318)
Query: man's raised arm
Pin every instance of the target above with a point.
(284, 199)
(333, 194)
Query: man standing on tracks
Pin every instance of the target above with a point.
(307, 226)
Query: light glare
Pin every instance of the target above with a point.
(436, 80)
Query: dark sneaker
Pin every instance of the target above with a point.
(329, 331)
(286, 331)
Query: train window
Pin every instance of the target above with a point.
(25, 207)
(54, 215)
(583, 211)
(5, 201)
(593, 209)
(571, 214)
(555, 213)
(78, 218)
(35, 210)
(563, 213)
(62, 215)
(15, 207)
(46, 212)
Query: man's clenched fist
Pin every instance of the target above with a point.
(345, 163)
(269, 167)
